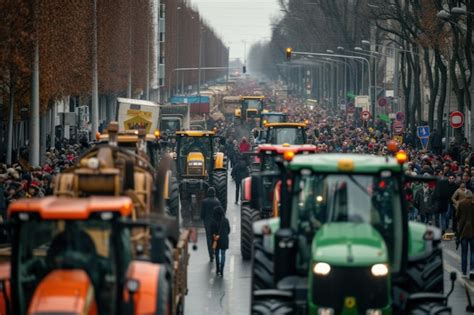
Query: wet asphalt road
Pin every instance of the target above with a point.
(211, 295)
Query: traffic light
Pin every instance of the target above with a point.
(244, 69)
(289, 50)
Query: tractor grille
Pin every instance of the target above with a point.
(195, 171)
(357, 282)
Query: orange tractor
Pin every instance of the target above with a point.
(258, 190)
(73, 256)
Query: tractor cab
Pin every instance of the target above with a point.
(250, 107)
(343, 221)
(195, 150)
(74, 256)
(266, 117)
(135, 141)
(289, 132)
(272, 117)
(260, 191)
(199, 166)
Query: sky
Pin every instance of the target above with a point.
(239, 21)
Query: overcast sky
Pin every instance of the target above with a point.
(237, 21)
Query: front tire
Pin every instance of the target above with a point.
(247, 217)
(262, 268)
(272, 306)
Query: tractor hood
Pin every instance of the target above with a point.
(64, 292)
(195, 156)
(349, 244)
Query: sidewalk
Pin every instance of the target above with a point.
(452, 262)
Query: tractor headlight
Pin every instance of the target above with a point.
(374, 312)
(325, 311)
(379, 270)
(195, 163)
(322, 269)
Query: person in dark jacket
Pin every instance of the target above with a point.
(239, 172)
(443, 192)
(465, 216)
(209, 204)
(220, 226)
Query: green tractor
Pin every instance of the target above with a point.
(343, 243)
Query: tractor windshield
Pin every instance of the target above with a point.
(252, 104)
(351, 198)
(170, 125)
(274, 118)
(188, 144)
(45, 246)
(291, 135)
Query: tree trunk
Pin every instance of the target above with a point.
(442, 90)
(11, 110)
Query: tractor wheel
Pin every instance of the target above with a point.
(173, 201)
(262, 268)
(431, 308)
(247, 217)
(272, 306)
(425, 275)
(220, 184)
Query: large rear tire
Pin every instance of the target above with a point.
(262, 268)
(173, 201)
(272, 306)
(247, 217)
(220, 184)
(426, 275)
(430, 309)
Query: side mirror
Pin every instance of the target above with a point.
(158, 245)
(256, 191)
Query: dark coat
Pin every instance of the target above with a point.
(221, 226)
(444, 191)
(240, 170)
(207, 209)
(465, 216)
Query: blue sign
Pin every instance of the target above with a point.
(423, 132)
(424, 143)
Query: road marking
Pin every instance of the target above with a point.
(452, 254)
(449, 268)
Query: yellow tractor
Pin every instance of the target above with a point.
(199, 167)
(250, 108)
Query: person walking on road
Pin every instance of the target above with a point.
(425, 204)
(244, 145)
(239, 172)
(465, 216)
(209, 204)
(220, 229)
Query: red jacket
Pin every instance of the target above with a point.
(244, 147)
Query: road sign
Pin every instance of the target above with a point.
(382, 101)
(423, 132)
(397, 127)
(365, 115)
(400, 116)
(456, 119)
(350, 108)
(399, 139)
(384, 118)
(424, 143)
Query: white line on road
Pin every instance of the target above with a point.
(452, 254)
(449, 268)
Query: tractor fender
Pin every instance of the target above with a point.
(5, 294)
(247, 189)
(219, 162)
(152, 296)
(419, 245)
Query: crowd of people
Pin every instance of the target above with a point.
(448, 205)
(20, 180)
